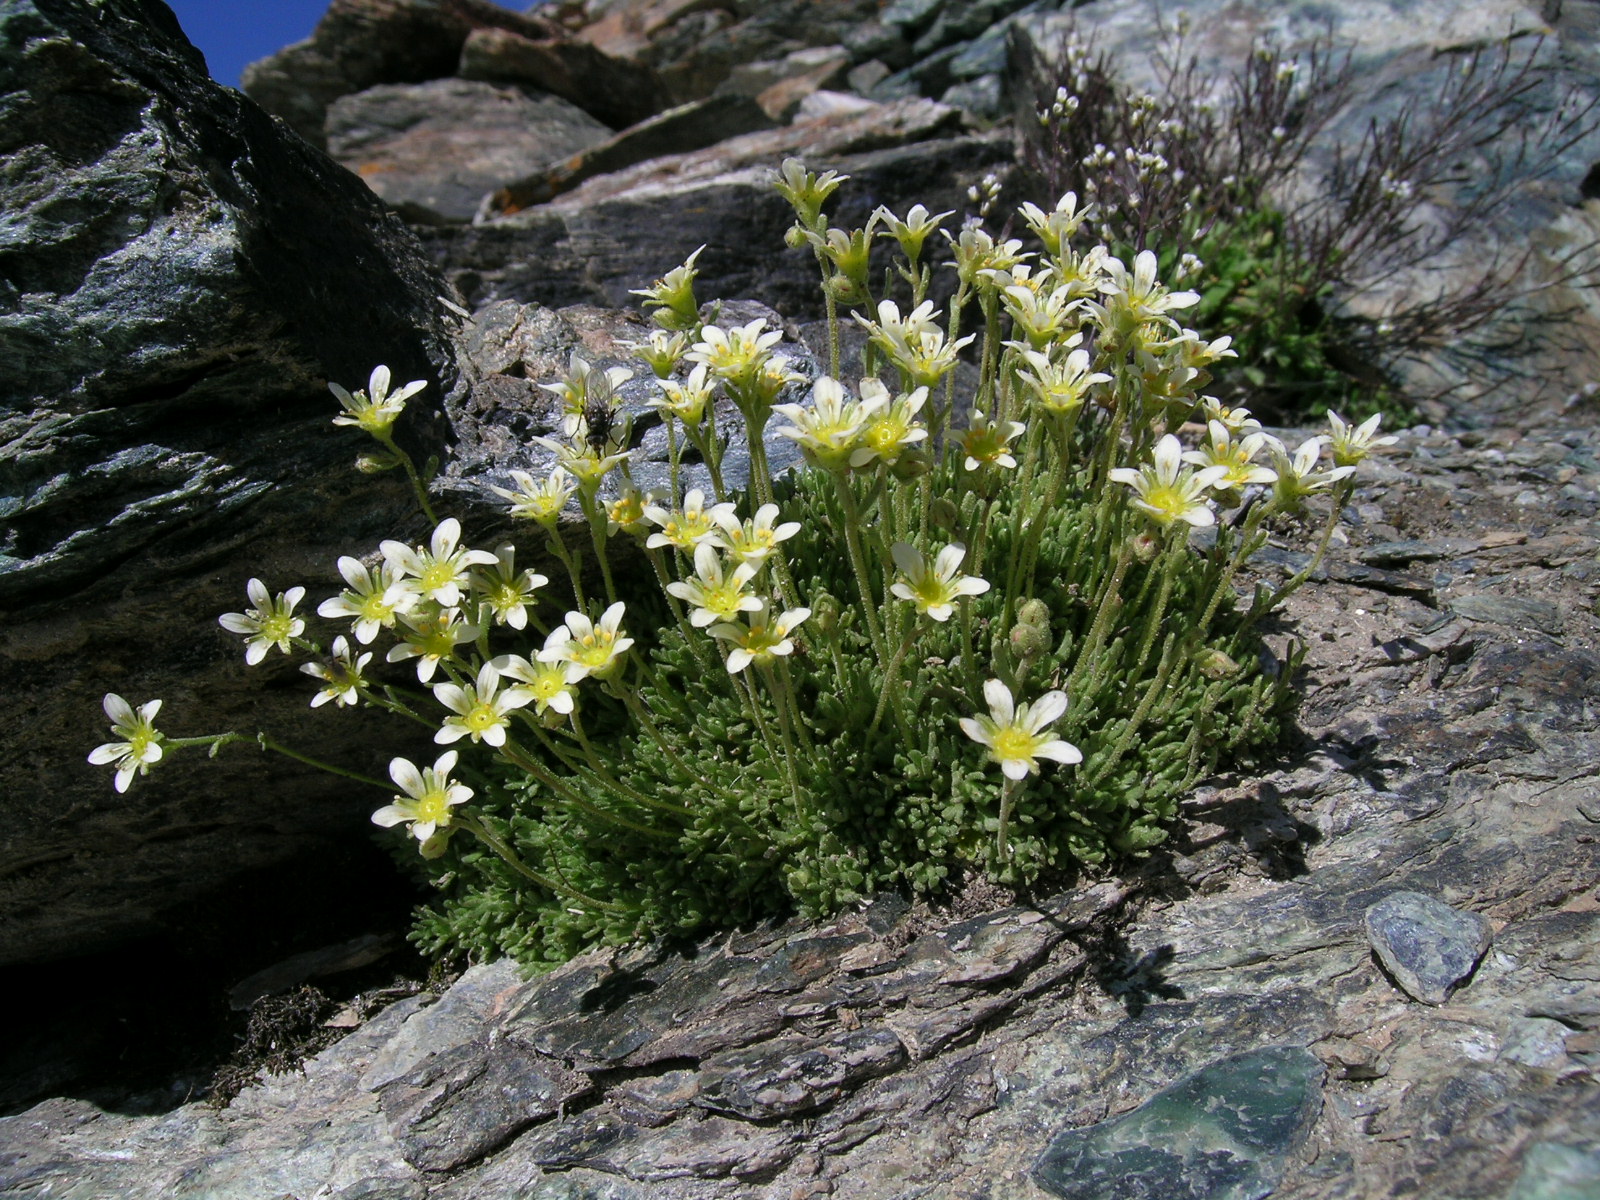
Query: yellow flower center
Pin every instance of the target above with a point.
(373, 608)
(480, 718)
(434, 644)
(1169, 502)
(723, 600)
(433, 806)
(277, 627)
(1012, 743)
(886, 433)
(435, 575)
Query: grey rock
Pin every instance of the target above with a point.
(182, 278)
(433, 150)
(359, 44)
(699, 51)
(621, 231)
(680, 130)
(1552, 1171)
(1429, 947)
(981, 97)
(1520, 612)
(1223, 1133)
(615, 92)
(462, 1103)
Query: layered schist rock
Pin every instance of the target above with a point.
(179, 279)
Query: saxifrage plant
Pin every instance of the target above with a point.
(973, 634)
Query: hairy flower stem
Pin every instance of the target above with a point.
(1177, 547)
(268, 743)
(597, 765)
(690, 634)
(746, 688)
(1008, 798)
(596, 517)
(418, 484)
(1247, 546)
(760, 482)
(890, 692)
(480, 831)
(514, 755)
(1340, 496)
(790, 754)
(858, 563)
(1109, 603)
(673, 456)
(786, 682)
(1026, 560)
(558, 545)
(1125, 739)
(634, 705)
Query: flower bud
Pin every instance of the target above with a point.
(1214, 664)
(944, 513)
(376, 462)
(435, 846)
(1035, 612)
(825, 613)
(846, 290)
(1146, 547)
(1029, 642)
(910, 465)
(795, 237)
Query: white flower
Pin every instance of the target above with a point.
(140, 746)
(688, 400)
(689, 526)
(1060, 383)
(440, 569)
(505, 591)
(374, 410)
(714, 594)
(1055, 227)
(988, 443)
(1167, 491)
(761, 639)
(595, 649)
(373, 599)
(549, 684)
(429, 638)
(1135, 297)
(1236, 458)
(735, 355)
(1015, 737)
(828, 432)
(1298, 477)
(430, 794)
(1352, 444)
(934, 590)
(541, 501)
(341, 677)
(583, 386)
(270, 623)
(913, 231)
(481, 708)
(893, 427)
(757, 537)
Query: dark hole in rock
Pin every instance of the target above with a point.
(1589, 189)
(147, 1027)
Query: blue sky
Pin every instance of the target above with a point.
(231, 33)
